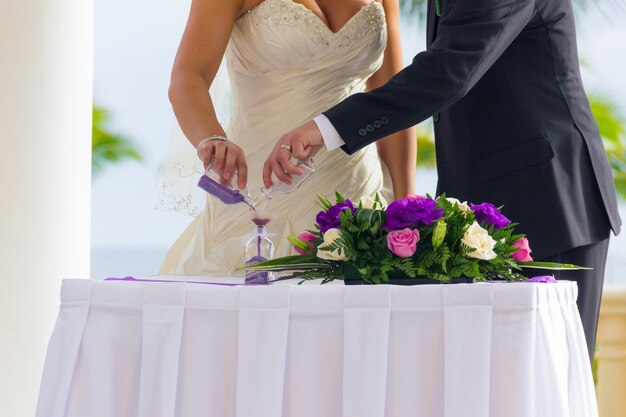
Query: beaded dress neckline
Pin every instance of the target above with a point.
(305, 9)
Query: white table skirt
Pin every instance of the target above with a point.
(122, 349)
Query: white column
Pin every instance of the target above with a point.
(46, 59)
(611, 353)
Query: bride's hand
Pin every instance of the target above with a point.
(228, 159)
(301, 143)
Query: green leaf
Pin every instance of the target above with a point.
(323, 201)
(552, 266)
(299, 243)
(370, 220)
(287, 268)
(289, 260)
(378, 203)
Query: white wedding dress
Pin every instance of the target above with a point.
(286, 67)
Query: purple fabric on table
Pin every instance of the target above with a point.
(542, 278)
(132, 279)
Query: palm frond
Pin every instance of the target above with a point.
(612, 125)
(414, 8)
(613, 10)
(106, 147)
(426, 155)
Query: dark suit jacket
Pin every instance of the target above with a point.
(512, 122)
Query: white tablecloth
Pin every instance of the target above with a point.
(123, 349)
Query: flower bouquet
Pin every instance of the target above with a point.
(438, 239)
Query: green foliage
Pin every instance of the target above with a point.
(106, 147)
(442, 252)
(426, 154)
(612, 126)
(414, 8)
(613, 9)
(299, 243)
(323, 202)
(439, 234)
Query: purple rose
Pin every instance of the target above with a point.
(330, 219)
(488, 214)
(412, 212)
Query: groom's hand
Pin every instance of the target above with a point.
(301, 143)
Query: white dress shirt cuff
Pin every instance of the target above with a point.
(332, 139)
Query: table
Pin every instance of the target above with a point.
(122, 349)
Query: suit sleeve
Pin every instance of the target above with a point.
(471, 36)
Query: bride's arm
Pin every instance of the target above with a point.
(201, 49)
(398, 151)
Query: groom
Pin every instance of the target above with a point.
(512, 124)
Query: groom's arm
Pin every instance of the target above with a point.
(471, 36)
(332, 138)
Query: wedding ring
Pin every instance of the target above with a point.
(285, 146)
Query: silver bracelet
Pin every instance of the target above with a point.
(211, 138)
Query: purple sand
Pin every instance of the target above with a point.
(260, 222)
(255, 260)
(225, 194)
(257, 277)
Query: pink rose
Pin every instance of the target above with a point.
(415, 197)
(403, 243)
(307, 237)
(523, 253)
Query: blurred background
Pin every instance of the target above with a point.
(135, 44)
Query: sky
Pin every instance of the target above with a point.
(135, 44)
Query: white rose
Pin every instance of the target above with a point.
(464, 207)
(330, 237)
(369, 202)
(478, 238)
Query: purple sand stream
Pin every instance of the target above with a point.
(258, 277)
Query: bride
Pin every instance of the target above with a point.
(288, 60)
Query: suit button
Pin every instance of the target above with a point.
(362, 132)
(370, 128)
(377, 124)
(436, 117)
(384, 120)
